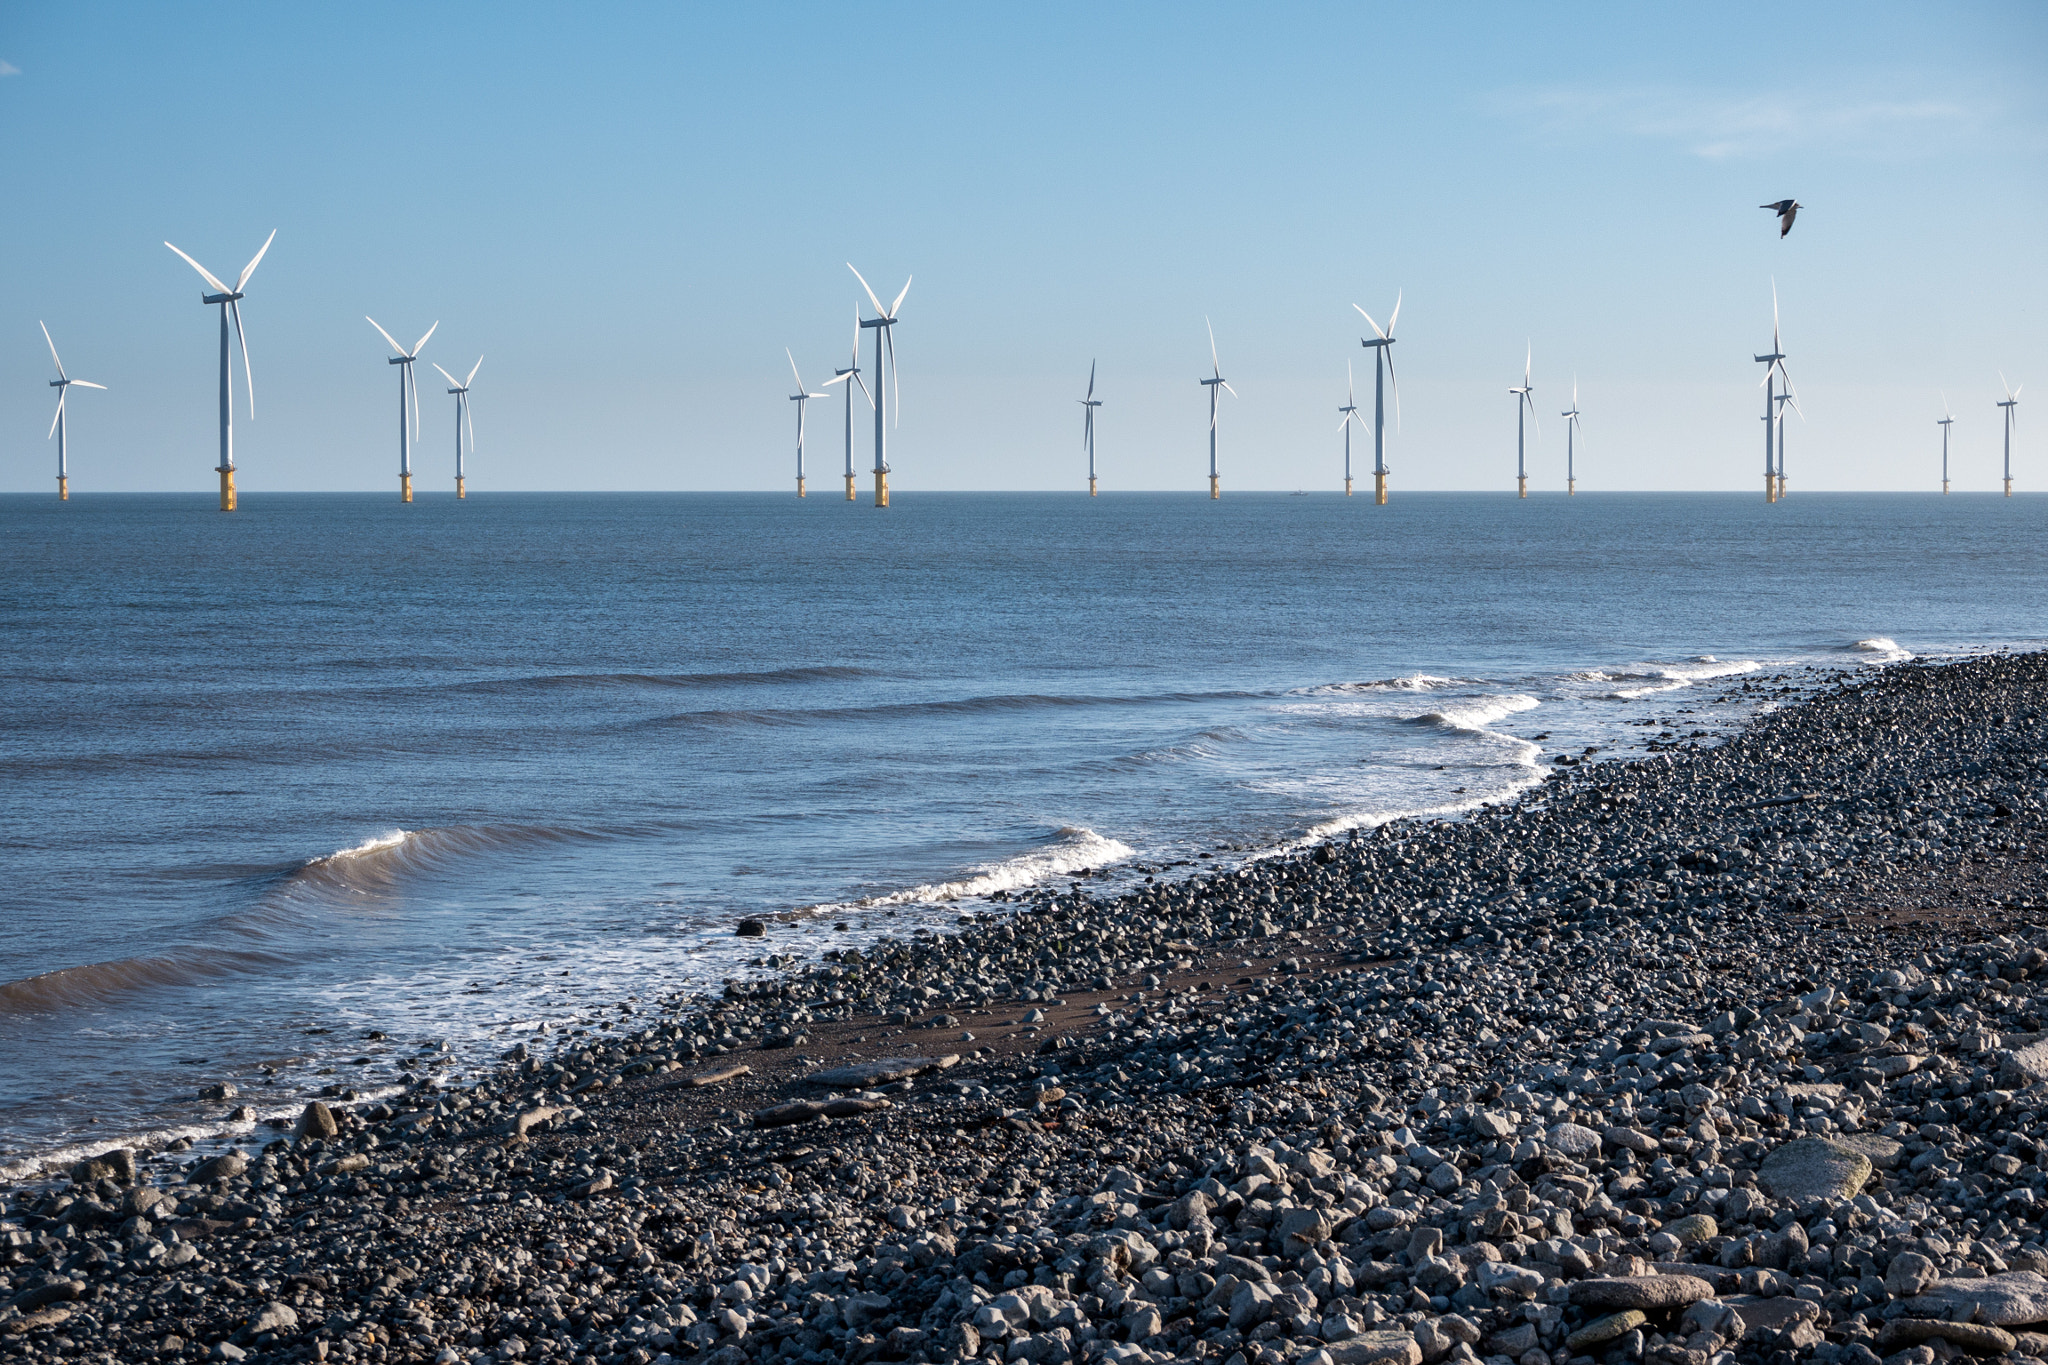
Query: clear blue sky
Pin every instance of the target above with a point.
(631, 210)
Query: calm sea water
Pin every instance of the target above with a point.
(332, 765)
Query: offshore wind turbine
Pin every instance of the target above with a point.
(801, 398)
(1776, 363)
(884, 323)
(408, 404)
(460, 388)
(1571, 423)
(1786, 399)
(1945, 421)
(2011, 406)
(229, 301)
(851, 376)
(62, 384)
(1350, 411)
(1382, 348)
(1213, 386)
(1088, 407)
(1525, 407)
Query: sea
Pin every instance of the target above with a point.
(335, 789)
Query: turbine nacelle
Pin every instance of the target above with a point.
(210, 299)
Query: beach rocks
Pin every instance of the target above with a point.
(1650, 1293)
(226, 1166)
(1909, 1274)
(1807, 1169)
(1976, 1337)
(316, 1121)
(1602, 1330)
(2017, 1298)
(1574, 1140)
(751, 928)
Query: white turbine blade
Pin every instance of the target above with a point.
(871, 297)
(382, 333)
(1227, 389)
(250, 268)
(1394, 316)
(472, 371)
(86, 384)
(2003, 385)
(423, 340)
(1370, 323)
(899, 298)
(1395, 381)
(854, 363)
(247, 374)
(864, 390)
(1528, 359)
(412, 387)
(895, 376)
(837, 379)
(471, 424)
(449, 377)
(1091, 373)
(59, 416)
(53, 350)
(1214, 364)
(204, 273)
(792, 369)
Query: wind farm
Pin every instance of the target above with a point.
(63, 384)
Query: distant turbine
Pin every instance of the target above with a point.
(851, 372)
(1525, 407)
(1350, 411)
(460, 388)
(1382, 348)
(408, 404)
(1088, 407)
(1213, 385)
(2012, 416)
(1945, 421)
(1571, 423)
(884, 323)
(801, 398)
(1787, 210)
(1789, 398)
(62, 384)
(1776, 362)
(228, 299)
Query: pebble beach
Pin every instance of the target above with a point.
(1733, 1053)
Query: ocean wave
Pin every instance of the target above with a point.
(95, 983)
(997, 703)
(1413, 682)
(571, 681)
(1476, 715)
(1885, 648)
(382, 860)
(1072, 848)
(1671, 677)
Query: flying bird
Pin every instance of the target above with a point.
(1787, 210)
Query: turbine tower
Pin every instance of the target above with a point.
(2011, 406)
(408, 405)
(460, 388)
(1786, 399)
(229, 299)
(1945, 421)
(1350, 411)
(851, 373)
(1525, 407)
(801, 397)
(1213, 385)
(1088, 407)
(1776, 363)
(1382, 348)
(1571, 424)
(62, 384)
(884, 323)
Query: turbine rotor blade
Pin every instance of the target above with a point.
(1227, 389)
(1091, 372)
(59, 415)
(422, 341)
(204, 273)
(449, 377)
(86, 384)
(792, 369)
(1370, 323)
(899, 298)
(1214, 364)
(871, 298)
(250, 268)
(864, 390)
(248, 374)
(382, 333)
(53, 350)
(1394, 316)
(1394, 380)
(472, 371)
(895, 377)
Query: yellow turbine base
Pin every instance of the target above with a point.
(63, 489)
(405, 488)
(1379, 490)
(1521, 486)
(1770, 488)
(1347, 487)
(461, 490)
(1781, 488)
(227, 490)
(1091, 485)
(1944, 488)
(881, 488)
(850, 494)
(1571, 488)
(1215, 488)
(2008, 488)
(799, 485)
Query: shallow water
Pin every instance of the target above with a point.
(334, 764)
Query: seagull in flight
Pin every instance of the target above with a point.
(1787, 210)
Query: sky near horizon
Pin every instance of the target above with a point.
(630, 210)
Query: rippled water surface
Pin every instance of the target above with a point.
(334, 765)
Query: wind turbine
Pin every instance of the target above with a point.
(1776, 363)
(1088, 407)
(62, 384)
(801, 397)
(1350, 411)
(2011, 406)
(460, 388)
(1945, 421)
(228, 299)
(1789, 398)
(408, 404)
(1382, 348)
(851, 373)
(1571, 424)
(884, 323)
(1213, 385)
(1525, 407)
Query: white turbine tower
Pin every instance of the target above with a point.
(2012, 417)
(228, 300)
(1214, 386)
(1525, 406)
(1773, 474)
(851, 376)
(62, 384)
(801, 398)
(884, 323)
(408, 404)
(1350, 411)
(460, 388)
(1571, 426)
(1945, 421)
(1088, 407)
(1382, 347)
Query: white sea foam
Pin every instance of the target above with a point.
(1671, 677)
(1885, 648)
(1072, 849)
(1412, 682)
(376, 844)
(1479, 713)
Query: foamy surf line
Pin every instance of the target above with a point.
(1079, 848)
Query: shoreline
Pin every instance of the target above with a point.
(1289, 1014)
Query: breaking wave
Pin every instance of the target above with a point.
(1072, 848)
(1885, 649)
